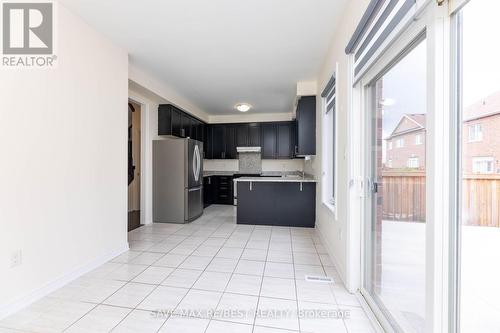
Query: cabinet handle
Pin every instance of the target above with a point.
(296, 150)
(209, 180)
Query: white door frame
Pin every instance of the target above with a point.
(146, 160)
(435, 22)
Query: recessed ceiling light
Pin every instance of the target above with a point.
(243, 107)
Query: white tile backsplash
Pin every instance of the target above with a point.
(267, 165)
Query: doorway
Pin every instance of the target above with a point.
(134, 165)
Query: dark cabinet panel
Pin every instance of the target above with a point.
(176, 123)
(230, 143)
(285, 140)
(208, 191)
(274, 203)
(207, 141)
(172, 121)
(254, 134)
(186, 126)
(165, 120)
(242, 135)
(268, 140)
(306, 126)
(218, 141)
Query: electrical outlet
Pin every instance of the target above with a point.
(340, 234)
(16, 259)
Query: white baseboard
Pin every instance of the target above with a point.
(34, 295)
(331, 254)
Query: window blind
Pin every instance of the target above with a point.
(381, 22)
(330, 94)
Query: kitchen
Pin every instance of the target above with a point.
(256, 166)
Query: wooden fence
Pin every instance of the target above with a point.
(403, 195)
(403, 198)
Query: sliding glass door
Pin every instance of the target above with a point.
(478, 139)
(395, 236)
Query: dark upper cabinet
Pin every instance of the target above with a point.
(306, 126)
(169, 120)
(187, 123)
(207, 141)
(218, 141)
(230, 138)
(172, 121)
(254, 134)
(176, 123)
(242, 135)
(268, 141)
(285, 140)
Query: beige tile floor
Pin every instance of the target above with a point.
(209, 276)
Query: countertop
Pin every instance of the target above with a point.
(264, 173)
(299, 179)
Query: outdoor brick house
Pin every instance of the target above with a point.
(405, 147)
(481, 138)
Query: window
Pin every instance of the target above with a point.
(400, 143)
(412, 163)
(390, 145)
(475, 133)
(395, 225)
(482, 165)
(477, 223)
(329, 142)
(418, 139)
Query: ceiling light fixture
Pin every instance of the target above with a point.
(242, 107)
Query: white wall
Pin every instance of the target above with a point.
(335, 230)
(63, 185)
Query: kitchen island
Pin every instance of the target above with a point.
(278, 201)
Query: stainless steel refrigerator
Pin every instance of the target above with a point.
(177, 180)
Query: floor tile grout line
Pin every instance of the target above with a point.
(191, 288)
(130, 281)
(262, 281)
(230, 277)
(225, 230)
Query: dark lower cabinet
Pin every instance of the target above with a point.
(218, 190)
(223, 190)
(208, 191)
(291, 204)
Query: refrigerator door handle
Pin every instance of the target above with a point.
(196, 163)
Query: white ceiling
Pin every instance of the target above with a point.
(217, 53)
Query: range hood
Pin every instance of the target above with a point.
(248, 149)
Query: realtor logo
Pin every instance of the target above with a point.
(28, 34)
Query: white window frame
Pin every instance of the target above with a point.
(418, 140)
(475, 132)
(389, 144)
(329, 144)
(480, 161)
(400, 142)
(413, 162)
(436, 22)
